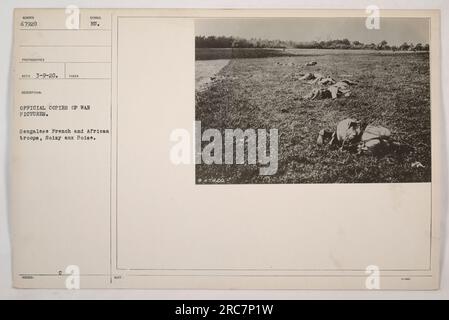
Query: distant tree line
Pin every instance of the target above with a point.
(234, 42)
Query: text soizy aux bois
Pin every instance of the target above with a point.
(60, 134)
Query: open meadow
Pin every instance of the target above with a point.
(251, 90)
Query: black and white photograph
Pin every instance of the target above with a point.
(313, 100)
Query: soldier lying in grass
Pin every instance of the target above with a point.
(351, 134)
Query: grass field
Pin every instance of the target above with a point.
(236, 53)
(393, 91)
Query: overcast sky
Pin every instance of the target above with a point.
(394, 30)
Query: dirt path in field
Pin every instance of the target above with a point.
(205, 69)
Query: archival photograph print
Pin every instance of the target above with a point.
(312, 100)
